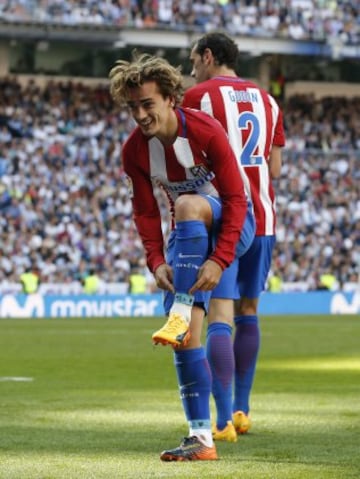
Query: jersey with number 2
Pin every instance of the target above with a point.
(253, 121)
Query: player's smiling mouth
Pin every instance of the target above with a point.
(146, 124)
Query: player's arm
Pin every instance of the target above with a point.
(275, 161)
(146, 214)
(148, 222)
(275, 158)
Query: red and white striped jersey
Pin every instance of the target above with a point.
(199, 161)
(254, 122)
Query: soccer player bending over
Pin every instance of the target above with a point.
(185, 152)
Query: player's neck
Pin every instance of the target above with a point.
(170, 132)
(223, 71)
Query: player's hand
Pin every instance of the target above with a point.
(208, 277)
(164, 277)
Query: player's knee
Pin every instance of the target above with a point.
(221, 311)
(192, 207)
(246, 307)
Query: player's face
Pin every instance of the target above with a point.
(199, 66)
(150, 109)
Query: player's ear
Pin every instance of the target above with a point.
(207, 55)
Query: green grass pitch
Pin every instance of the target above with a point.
(92, 398)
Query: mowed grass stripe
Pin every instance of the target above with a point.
(103, 402)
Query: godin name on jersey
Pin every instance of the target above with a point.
(243, 96)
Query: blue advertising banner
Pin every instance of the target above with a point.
(83, 306)
(313, 302)
(79, 306)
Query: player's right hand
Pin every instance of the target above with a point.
(164, 277)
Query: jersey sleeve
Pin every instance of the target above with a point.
(146, 211)
(279, 133)
(191, 99)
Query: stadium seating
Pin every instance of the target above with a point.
(296, 19)
(63, 195)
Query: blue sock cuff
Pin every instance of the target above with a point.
(184, 298)
(219, 329)
(249, 319)
(191, 229)
(200, 424)
(189, 355)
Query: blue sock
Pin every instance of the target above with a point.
(191, 250)
(194, 378)
(246, 348)
(219, 350)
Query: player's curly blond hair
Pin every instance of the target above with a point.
(125, 75)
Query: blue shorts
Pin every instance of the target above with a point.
(228, 287)
(202, 298)
(246, 276)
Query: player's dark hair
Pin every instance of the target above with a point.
(223, 48)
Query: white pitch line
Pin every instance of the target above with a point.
(15, 379)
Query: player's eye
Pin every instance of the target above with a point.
(147, 105)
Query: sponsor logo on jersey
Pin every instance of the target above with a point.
(201, 174)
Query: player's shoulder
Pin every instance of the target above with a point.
(265, 93)
(213, 85)
(199, 119)
(194, 94)
(133, 140)
(133, 147)
(204, 85)
(203, 128)
(253, 88)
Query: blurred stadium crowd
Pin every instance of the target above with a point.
(64, 202)
(297, 19)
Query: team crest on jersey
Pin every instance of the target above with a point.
(199, 170)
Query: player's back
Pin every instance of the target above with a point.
(248, 113)
(253, 121)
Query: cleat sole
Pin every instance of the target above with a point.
(175, 343)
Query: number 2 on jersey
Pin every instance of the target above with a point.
(249, 121)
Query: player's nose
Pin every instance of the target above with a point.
(139, 113)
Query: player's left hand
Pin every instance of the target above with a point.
(208, 277)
